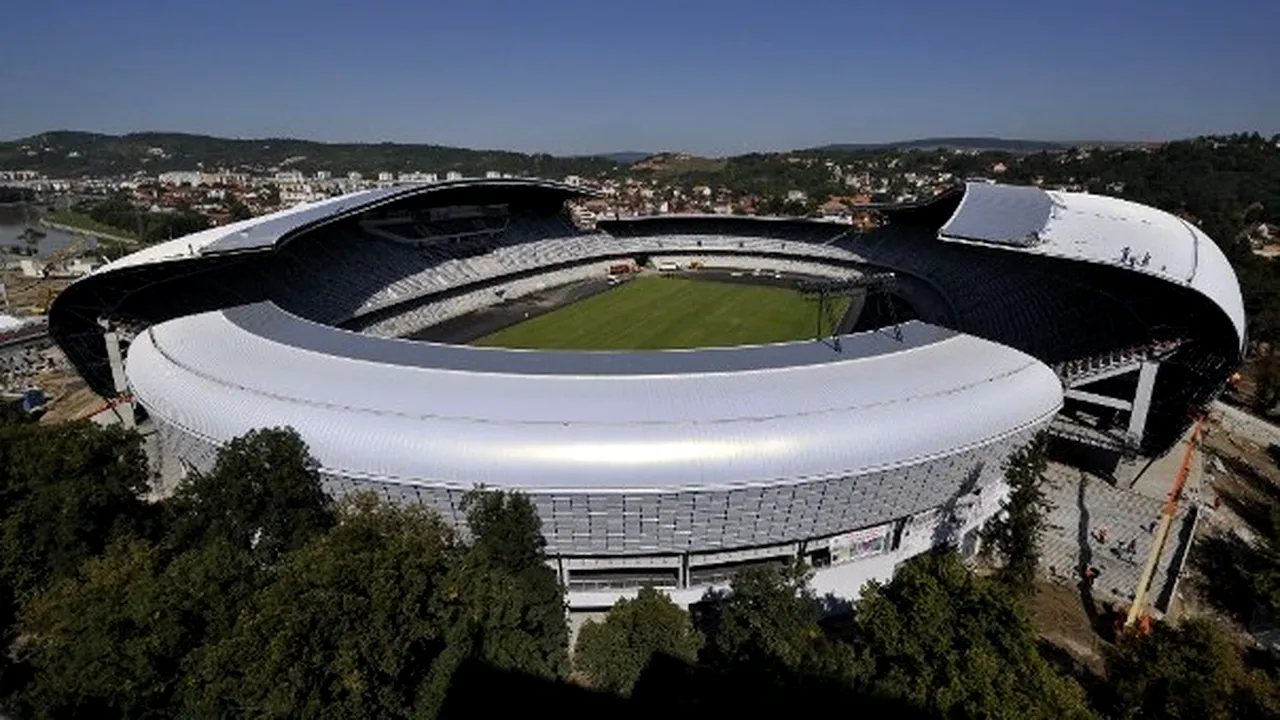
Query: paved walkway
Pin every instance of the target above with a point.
(1094, 524)
(1155, 478)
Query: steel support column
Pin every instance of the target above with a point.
(1142, 401)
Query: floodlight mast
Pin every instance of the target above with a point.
(824, 290)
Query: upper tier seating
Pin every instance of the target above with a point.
(346, 271)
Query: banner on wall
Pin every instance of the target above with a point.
(860, 543)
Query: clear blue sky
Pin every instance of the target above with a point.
(606, 75)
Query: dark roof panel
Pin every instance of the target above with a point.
(1003, 214)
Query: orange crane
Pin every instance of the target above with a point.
(1137, 611)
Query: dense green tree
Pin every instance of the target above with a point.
(66, 491)
(264, 493)
(159, 227)
(271, 195)
(767, 624)
(81, 153)
(1186, 671)
(238, 210)
(104, 644)
(9, 194)
(955, 645)
(615, 652)
(116, 211)
(505, 527)
(1013, 535)
(1266, 381)
(119, 212)
(524, 601)
(119, 639)
(140, 612)
(351, 626)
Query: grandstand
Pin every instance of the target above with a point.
(1015, 310)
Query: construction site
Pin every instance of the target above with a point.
(31, 276)
(1159, 541)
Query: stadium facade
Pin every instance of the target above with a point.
(1013, 310)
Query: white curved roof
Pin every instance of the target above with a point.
(264, 231)
(1098, 229)
(615, 421)
(196, 244)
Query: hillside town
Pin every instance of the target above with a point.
(828, 185)
(217, 194)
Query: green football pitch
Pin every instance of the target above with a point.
(663, 312)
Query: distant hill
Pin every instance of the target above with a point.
(954, 143)
(66, 153)
(70, 154)
(673, 163)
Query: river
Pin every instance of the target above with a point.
(13, 221)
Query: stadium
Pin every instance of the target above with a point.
(426, 339)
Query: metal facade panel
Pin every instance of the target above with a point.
(592, 525)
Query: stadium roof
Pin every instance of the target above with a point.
(1098, 229)
(1000, 214)
(639, 421)
(264, 232)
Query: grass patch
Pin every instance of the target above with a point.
(670, 166)
(80, 221)
(661, 313)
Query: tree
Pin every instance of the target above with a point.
(614, 653)
(166, 226)
(65, 492)
(1013, 535)
(1262, 568)
(1188, 671)
(518, 620)
(767, 624)
(238, 210)
(955, 645)
(271, 196)
(104, 644)
(263, 494)
(118, 639)
(505, 527)
(351, 627)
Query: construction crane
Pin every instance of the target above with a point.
(1137, 611)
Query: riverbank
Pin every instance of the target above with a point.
(72, 222)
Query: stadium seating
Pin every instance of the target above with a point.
(1015, 300)
(349, 271)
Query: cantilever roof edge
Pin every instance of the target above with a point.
(264, 232)
(1102, 230)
